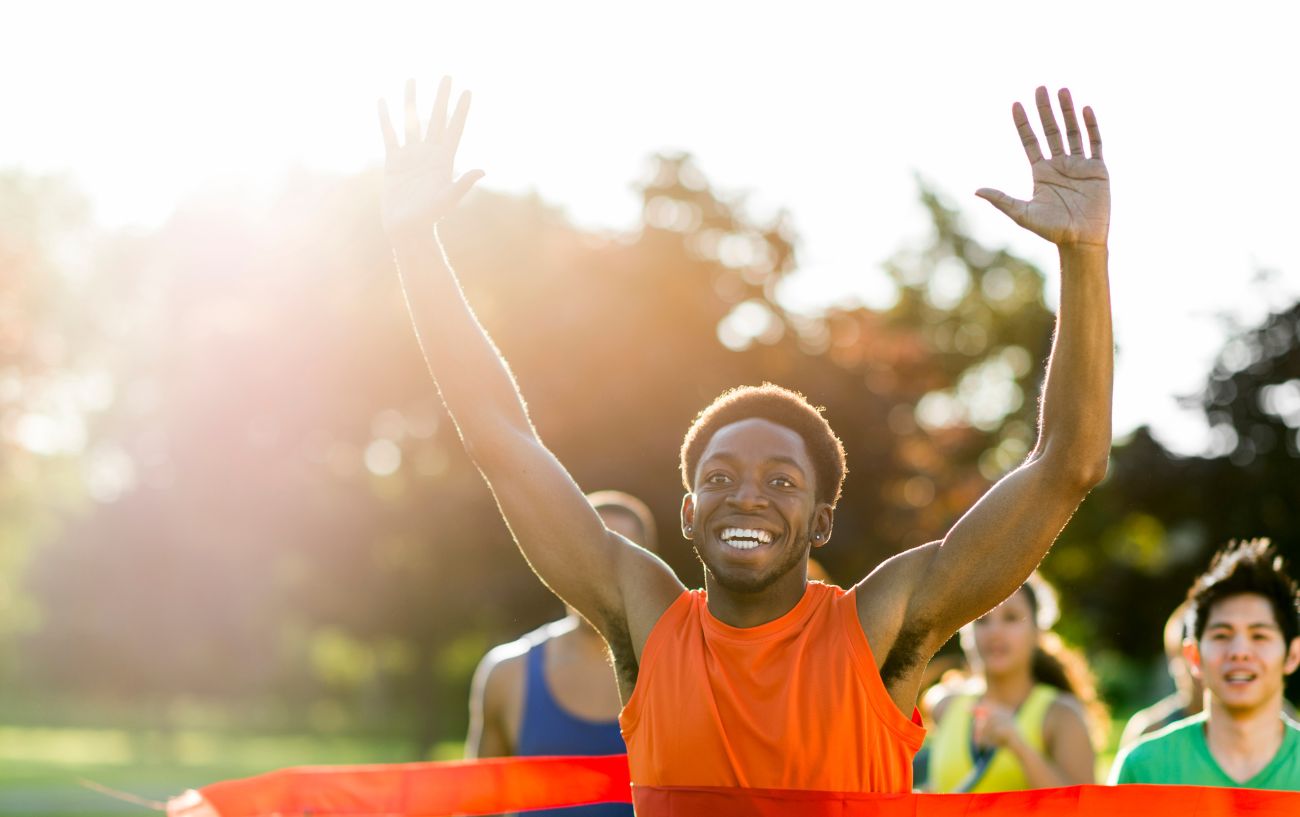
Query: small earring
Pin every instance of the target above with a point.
(689, 530)
(817, 536)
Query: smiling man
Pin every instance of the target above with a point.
(1245, 639)
(764, 679)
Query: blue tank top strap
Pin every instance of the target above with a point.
(547, 729)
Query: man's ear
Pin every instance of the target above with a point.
(1192, 654)
(688, 516)
(823, 520)
(1292, 657)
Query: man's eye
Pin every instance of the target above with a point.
(716, 479)
(783, 482)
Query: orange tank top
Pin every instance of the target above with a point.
(796, 703)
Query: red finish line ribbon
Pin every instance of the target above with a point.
(464, 787)
(517, 784)
(1070, 801)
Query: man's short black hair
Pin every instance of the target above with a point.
(1252, 566)
(779, 405)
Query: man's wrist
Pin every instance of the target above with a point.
(413, 243)
(1085, 253)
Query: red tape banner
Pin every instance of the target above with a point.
(465, 787)
(518, 784)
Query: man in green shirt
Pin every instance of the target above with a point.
(1245, 627)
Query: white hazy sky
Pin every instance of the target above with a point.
(826, 109)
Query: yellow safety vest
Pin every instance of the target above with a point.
(950, 749)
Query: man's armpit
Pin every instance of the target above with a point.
(906, 656)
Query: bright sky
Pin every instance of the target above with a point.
(826, 109)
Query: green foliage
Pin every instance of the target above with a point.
(46, 393)
(301, 537)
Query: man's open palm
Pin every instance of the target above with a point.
(1071, 202)
(418, 185)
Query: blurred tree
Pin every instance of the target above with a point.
(46, 391)
(299, 519)
(1148, 530)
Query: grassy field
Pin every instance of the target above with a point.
(41, 770)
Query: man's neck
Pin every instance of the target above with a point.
(754, 609)
(1243, 742)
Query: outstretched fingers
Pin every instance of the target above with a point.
(438, 120)
(1094, 135)
(1072, 135)
(386, 127)
(412, 115)
(1027, 137)
(1016, 209)
(1050, 129)
(462, 186)
(457, 125)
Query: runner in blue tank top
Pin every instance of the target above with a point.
(552, 692)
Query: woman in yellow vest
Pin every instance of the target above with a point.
(1022, 721)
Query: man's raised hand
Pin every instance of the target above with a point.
(418, 185)
(1071, 201)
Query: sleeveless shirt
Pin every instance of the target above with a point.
(796, 703)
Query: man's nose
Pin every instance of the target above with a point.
(1240, 647)
(747, 494)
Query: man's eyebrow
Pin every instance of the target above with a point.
(784, 460)
(778, 458)
(1225, 625)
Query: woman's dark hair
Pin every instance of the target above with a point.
(1059, 665)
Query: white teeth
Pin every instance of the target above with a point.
(746, 538)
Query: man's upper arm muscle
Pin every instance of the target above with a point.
(900, 644)
(992, 549)
(614, 584)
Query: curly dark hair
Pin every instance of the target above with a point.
(778, 405)
(1250, 566)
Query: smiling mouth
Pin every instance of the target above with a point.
(745, 538)
(1239, 677)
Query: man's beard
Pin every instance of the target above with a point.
(749, 583)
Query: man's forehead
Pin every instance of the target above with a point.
(757, 438)
(1242, 609)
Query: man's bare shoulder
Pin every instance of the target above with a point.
(884, 594)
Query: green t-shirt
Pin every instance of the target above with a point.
(1179, 756)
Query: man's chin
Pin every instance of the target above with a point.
(1243, 701)
(748, 584)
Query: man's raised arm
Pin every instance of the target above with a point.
(992, 549)
(560, 534)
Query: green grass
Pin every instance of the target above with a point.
(41, 768)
